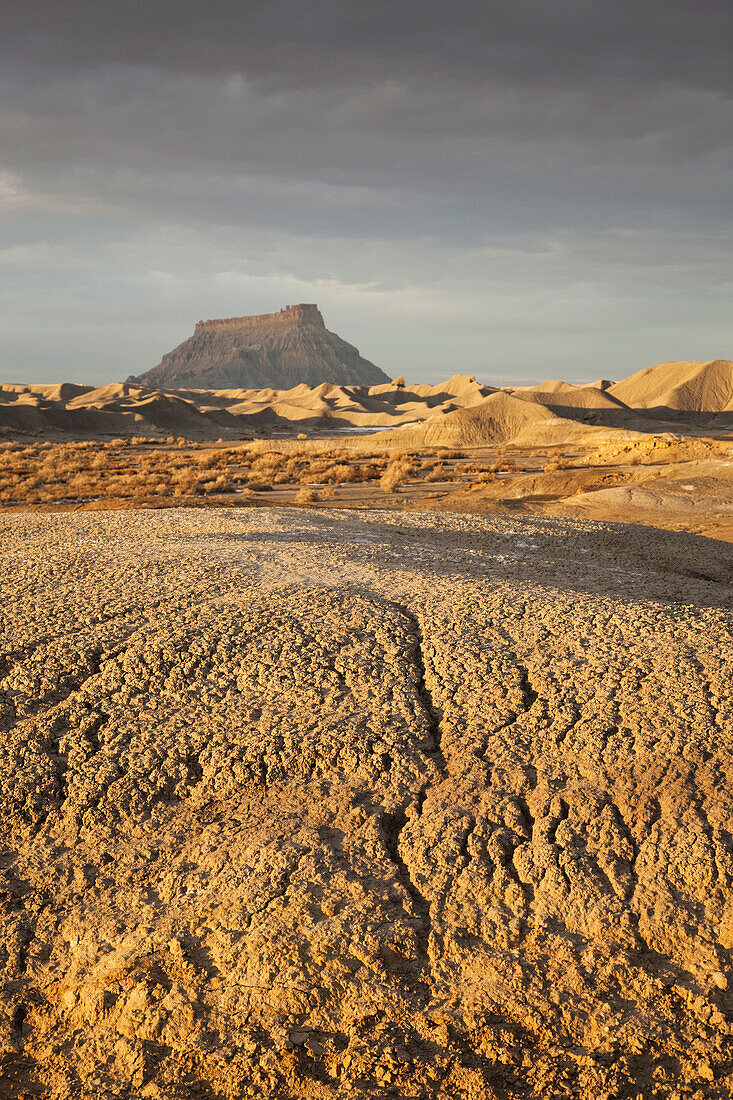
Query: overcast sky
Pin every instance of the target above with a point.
(517, 189)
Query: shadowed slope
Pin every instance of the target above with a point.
(679, 388)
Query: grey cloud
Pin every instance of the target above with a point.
(531, 173)
(532, 40)
(404, 139)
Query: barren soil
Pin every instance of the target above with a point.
(305, 804)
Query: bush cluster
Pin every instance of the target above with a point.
(133, 471)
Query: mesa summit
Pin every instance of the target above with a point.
(278, 350)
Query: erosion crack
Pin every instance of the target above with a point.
(393, 824)
(432, 713)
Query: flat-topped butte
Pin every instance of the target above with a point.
(277, 350)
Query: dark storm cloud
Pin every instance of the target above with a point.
(528, 40)
(444, 160)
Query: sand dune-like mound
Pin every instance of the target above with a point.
(589, 398)
(130, 408)
(499, 418)
(117, 409)
(685, 387)
(589, 404)
(555, 385)
(273, 349)
(550, 385)
(554, 411)
(303, 805)
(64, 391)
(115, 393)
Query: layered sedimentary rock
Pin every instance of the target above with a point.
(277, 350)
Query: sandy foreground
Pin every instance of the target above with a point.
(321, 803)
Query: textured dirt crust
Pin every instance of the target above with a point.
(305, 805)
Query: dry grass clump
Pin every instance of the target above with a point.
(399, 470)
(500, 464)
(89, 471)
(343, 473)
(220, 484)
(559, 463)
(439, 473)
(127, 472)
(340, 473)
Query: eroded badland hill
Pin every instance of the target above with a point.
(314, 804)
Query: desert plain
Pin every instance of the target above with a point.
(653, 449)
(389, 763)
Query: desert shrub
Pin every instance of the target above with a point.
(439, 473)
(306, 495)
(340, 473)
(208, 461)
(337, 474)
(318, 467)
(486, 476)
(397, 473)
(559, 463)
(221, 484)
(470, 467)
(115, 470)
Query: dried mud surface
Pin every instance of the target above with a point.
(312, 804)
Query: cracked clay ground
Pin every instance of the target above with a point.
(312, 804)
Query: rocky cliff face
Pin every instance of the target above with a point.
(276, 350)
